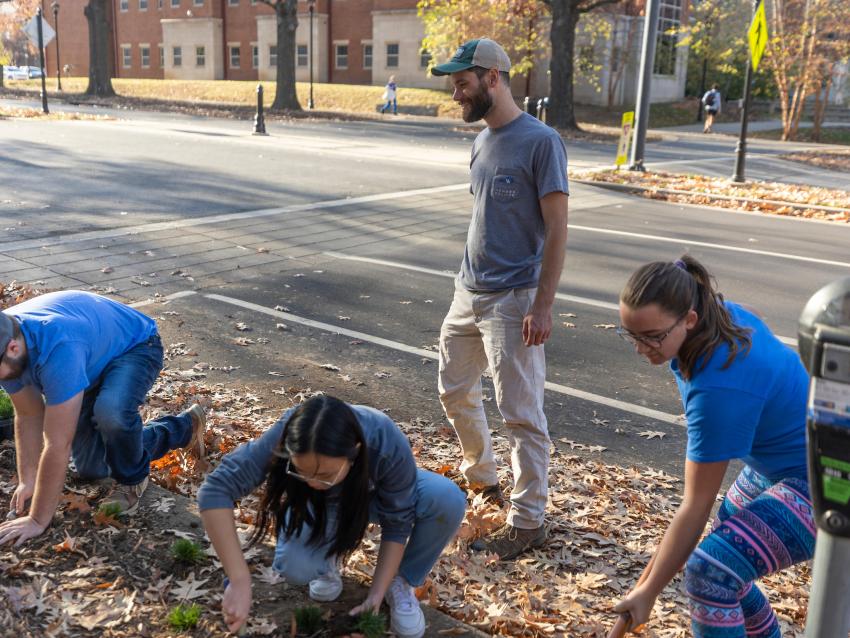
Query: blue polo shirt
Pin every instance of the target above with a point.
(754, 410)
(71, 337)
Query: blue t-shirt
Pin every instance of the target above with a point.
(754, 410)
(71, 337)
(513, 167)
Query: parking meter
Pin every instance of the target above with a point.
(824, 344)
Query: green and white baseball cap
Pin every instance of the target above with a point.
(482, 52)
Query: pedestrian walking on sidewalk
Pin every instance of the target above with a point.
(711, 103)
(744, 394)
(501, 314)
(390, 96)
(330, 469)
(77, 366)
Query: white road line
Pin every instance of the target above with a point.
(446, 273)
(587, 301)
(395, 345)
(225, 217)
(705, 244)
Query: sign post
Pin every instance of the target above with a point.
(757, 36)
(625, 138)
(40, 34)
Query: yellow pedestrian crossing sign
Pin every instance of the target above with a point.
(758, 35)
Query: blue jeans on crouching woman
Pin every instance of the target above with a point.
(440, 507)
(111, 439)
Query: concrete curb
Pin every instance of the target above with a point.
(634, 188)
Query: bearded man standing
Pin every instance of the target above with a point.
(501, 313)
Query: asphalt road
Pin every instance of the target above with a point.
(378, 272)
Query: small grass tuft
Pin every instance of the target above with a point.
(6, 409)
(184, 550)
(109, 510)
(309, 620)
(371, 624)
(184, 617)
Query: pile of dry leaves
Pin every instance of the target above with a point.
(774, 198)
(838, 160)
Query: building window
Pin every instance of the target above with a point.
(126, 56)
(124, 5)
(175, 4)
(424, 57)
(161, 57)
(198, 3)
(200, 56)
(255, 56)
(666, 46)
(392, 56)
(177, 56)
(273, 55)
(341, 56)
(159, 4)
(301, 55)
(145, 54)
(235, 56)
(367, 56)
(233, 3)
(143, 5)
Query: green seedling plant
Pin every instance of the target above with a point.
(184, 617)
(6, 409)
(371, 624)
(309, 620)
(110, 510)
(186, 551)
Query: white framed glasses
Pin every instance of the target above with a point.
(308, 479)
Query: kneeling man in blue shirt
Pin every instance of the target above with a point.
(77, 366)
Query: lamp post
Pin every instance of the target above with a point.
(55, 7)
(311, 4)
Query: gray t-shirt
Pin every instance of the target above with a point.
(512, 168)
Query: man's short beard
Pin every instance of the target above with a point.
(479, 104)
(16, 365)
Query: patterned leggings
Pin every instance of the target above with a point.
(762, 527)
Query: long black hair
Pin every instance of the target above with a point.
(327, 426)
(680, 286)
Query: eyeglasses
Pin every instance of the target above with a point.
(308, 479)
(652, 342)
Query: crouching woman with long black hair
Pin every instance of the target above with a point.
(329, 469)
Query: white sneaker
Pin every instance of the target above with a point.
(406, 617)
(326, 587)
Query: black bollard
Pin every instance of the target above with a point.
(259, 120)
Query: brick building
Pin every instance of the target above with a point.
(354, 42)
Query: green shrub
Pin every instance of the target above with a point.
(184, 617)
(309, 620)
(110, 510)
(6, 409)
(184, 550)
(371, 624)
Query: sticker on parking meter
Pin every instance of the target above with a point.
(829, 402)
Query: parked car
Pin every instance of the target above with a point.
(34, 71)
(15, 73)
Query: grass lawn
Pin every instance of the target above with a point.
(828, 135)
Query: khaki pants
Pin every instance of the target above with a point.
(481, 330)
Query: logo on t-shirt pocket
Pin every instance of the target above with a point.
(505, 186)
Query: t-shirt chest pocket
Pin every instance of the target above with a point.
(506, 185)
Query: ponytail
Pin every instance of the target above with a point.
(678, 287)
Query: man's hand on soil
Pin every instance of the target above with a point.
(20, 530)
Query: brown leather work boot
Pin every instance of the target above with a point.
(508, 541)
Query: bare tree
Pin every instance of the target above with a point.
(285, 97)
(565, 18)
(99, 16)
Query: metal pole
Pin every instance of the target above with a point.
(829, 613)
(650, 31)
(259, 118)
(41, 60)
(58, 66)
(310, 101)
(741, 148)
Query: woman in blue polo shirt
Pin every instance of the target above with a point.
(744, 394)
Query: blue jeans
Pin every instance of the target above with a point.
(390, 103)
(440, 507)
(111, 439)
